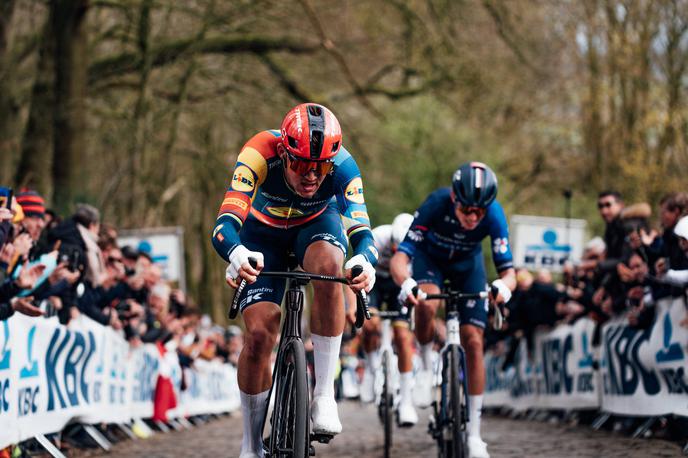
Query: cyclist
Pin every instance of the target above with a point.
(387, 239)
(444, 242)
(297, 191)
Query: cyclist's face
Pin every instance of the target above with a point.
(469, 217)
(304, 185)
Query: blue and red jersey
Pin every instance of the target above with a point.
(259, 190)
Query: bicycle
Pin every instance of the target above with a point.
(290, 423)
(450, 412)
(386, 402)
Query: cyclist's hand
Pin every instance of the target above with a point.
(503, 292)
(240, 268)
(406, 292)
(366, 279)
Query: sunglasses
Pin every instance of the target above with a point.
(601, 205)
(477, 211)
(113, 260)
(304, 166)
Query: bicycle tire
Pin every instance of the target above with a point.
(387, 402)
(289, 421)
(459, 447)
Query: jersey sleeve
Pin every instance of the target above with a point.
(352, 208)
(420, 226)
(499, 236)
(249, 173)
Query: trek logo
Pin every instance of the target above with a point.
(354, 191)
(243, 179)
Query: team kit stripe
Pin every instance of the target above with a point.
(283, 223)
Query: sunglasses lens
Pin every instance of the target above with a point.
(302, 167)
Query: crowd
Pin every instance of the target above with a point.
(61, 268)
(627, 270)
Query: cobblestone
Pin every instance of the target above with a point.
(362, 437)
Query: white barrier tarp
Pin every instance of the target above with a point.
(558, 374)
(644, 371)
(52, 374)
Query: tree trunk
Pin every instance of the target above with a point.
(8, 107)
(71, 77)
(37, 142)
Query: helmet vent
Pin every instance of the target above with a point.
(335, 146)
(317, 139)
(315, 110)
(292, 142)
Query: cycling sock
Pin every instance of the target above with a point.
(475, 402)
(373, 360)
(253, 408)
(426, 352)
(406, 386)
(325, 355)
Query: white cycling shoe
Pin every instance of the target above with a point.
(407, 414)
(250, 455)
(367, 390)
(422, 390)
(325, 417)
(477, 448)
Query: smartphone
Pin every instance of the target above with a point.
(6, 195)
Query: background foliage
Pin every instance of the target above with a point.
(140, 106)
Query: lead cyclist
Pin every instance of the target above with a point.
(296, 190)
(444, 242)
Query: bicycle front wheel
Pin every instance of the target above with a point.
(290, 429)
(457, 401)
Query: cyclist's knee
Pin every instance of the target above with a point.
(260, 341)
(325, 259)
(473, 343)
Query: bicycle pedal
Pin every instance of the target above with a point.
(321, 438)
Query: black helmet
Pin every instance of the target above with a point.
(474, 185)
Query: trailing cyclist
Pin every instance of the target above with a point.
(387, 239)
(297, 191)
(444, 242)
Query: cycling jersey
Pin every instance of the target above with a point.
(438, 233)
(259, 191)
(385, 249)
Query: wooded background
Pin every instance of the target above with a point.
(141, 106)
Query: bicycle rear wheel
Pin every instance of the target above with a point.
(387, 403)
(290, 429)
(459, 448)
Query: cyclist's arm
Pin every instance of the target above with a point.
(249, 172)
(399, 267)
(400, 264)
(501, 248)
(353, 210)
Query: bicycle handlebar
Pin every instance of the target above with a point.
(362, 312)
(455, 295)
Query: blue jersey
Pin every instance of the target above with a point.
(437, 232)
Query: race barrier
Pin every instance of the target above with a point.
(640, 372)
(51, 375)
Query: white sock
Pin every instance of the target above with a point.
(475, 402)
(372, 360)
(406, 387)
(426, 354)
(325, 355)
(253, 408)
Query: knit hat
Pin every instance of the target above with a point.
(31, 203)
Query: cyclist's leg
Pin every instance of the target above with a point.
(320, 248)
(429, 278)
(261, 314)
(474, 317)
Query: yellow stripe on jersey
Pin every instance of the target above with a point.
(255, 161)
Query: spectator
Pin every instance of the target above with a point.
(610, 204)
(33, 207)
(666, 250)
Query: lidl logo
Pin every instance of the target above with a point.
(243, 179)
(354, 191)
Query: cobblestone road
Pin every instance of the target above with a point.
(362, 437)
